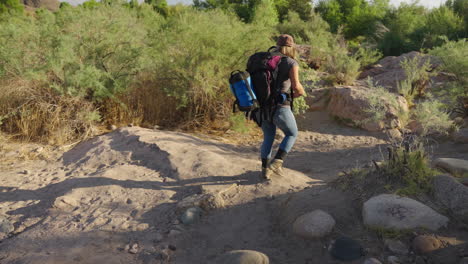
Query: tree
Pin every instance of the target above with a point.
(442, 22)
(265, 14)
(331, 12)
(159, 5)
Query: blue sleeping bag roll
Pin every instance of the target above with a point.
(241, 86)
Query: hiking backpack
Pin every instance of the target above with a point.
(256, 90)
(263, 69)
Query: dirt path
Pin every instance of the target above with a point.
(130, 186)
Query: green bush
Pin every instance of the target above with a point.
(408, 169)
(192, 64)
(453, 55)
(402, 29)
(442, 23)
(431, 118)
(418, 73)
(10, 7)
(377, 110)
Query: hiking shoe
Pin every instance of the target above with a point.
(276, 166)
(266, 174)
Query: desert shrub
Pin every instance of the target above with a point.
(192, 65)
(72, 61)
(30, 111)
(431, 117)
(405, 89)
(342, 67)
(408, 169)
(453, 55)
(418, 73)
(376, 110)
(367, 56)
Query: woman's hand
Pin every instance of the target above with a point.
(296, 85)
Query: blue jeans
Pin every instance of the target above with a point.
(284, 120)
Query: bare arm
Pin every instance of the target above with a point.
(296, 85)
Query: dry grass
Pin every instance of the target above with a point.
(32, 112)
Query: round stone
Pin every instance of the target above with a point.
(424, 244)
(314, 224)
(243, 257)
(372, 261)
(191, 215)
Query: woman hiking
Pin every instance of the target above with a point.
(283, 118)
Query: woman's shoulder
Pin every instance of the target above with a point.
(291, 62)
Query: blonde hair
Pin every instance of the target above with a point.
(288, 51)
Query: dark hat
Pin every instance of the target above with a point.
(285, 40)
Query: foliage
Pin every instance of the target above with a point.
(265, 15)
(431, 117)
(358, 16)
(10, 6)
(377, 110)
(409, 164)
(442, 23)
(453, 55)
(367, 56)
(402, 30)
(159, 5)
(418, 73)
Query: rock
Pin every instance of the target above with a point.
(388, 71)
(206, 201)
(425, 244)
(314, 224)
(419, 260)
(451, 194)
(461, 136)
(6, 226)
(318, 99)
(394, 134)
(391, 211)
(393, 260)
(396, 246)
(243, 257)
(454, 166)
(158, 237)
(191, 215)
(346, 249)
(372, 261)
(132, 248)
(52, 5)
(349, 104)
(174, 233)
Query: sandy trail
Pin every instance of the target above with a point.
(128, 186)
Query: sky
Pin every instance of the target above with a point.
(428, 3)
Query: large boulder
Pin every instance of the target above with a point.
(351, 105)
(454, 166)
(243, 257)
(391, 211)
(388, 71)
(52, 5)
(452, 194)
